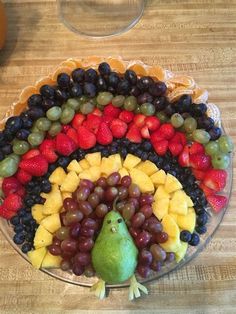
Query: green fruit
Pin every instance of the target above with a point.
(20, 147)
(226, 144)
(55, 129)
(82, 99)
(87, 107)
(54, 113)
(114, 255)
(177, 120)
(162, 116)
(201, 136)
(130, 103)
(15, 157)
(137, 110)
(35, 138)
(212, 148)
(34, 128)
(43, 124)
(8, 167)
(118, 101)
(220, 161)
(73, 103)
(104, 98)
(67, 115)
(190, 124)
(147, 109)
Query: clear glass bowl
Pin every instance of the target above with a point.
(213, 224)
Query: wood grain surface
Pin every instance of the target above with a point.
(194, 37)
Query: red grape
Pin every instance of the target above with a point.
(137, 220)
(86, 245)
(62, 233)
(77, 269)
(134, 190)
(143, 271)
(128, 211)
(161, 237)
(65, 264)
(126, 181)
(120, 205)
(157, 252)
(54, 249)
(93, 200)
(134, 232)
(156, 265)
(73, 217)
(146, 210)
(82, 193)
(75, 231)
(86, 232)
(101, 210)
(87, 184)
(89, 223)
(70, 204)
(142, 239)
(154, 227)
(122, 192)
(56, 241)
(146, 199)
(102, 182)
(82, 258)
(135, 202)
(100, 192)
(113, 179)
(85, 208)
(145, 257)
(69, 245)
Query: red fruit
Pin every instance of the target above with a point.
(215, 179)
(217, 202)
(118, 128)
(21, 192)
(97, 112)
(107, 119)
(156, 136)
(31, 153)
(207, 191)
(23, 177)
(64, 144)
(196, 148)
(200, 161)
(134, 134)
(153, 123)
(175, 148)
(145, 132)
(10, 185)
(184, 157)
(5, 213)
(198, 174)
(12, 202)
(167, 131)
(92, 123)
(111, 111)
(36, 166)
(73, 135)
(65, 128)
(86, 138)
(161, 147)
(104, 135)
(47, 149)
(180, 137)
(126, 116)
(139, 120)
(77, 120)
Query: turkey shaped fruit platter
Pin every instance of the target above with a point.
(113, 173)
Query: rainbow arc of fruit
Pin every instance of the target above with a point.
(87, 126)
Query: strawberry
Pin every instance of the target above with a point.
(167, 131)
(86, 138)
(145, 132)
(97, 112)
(139, 120)
(23, 176)
(77, 120)
(153, 123)
(104, 135)
(217, 202)
(200, 161)
(161, 147)
(107, 119)
(184, 157)
(111, 111)
(65, 128)
(175, 148)
(73, 135)
(134, 134)
(180, 138)
(10, 185)
(207, 191)
(215, 179)
(198, 174)
(12, 202)
(47, 149)
(31, 153)
(118, 128)
(36, 166)
(126, 116)
(21, 192)
(156, 136)
(92, 123)
(196, 148)
(5, 213)
(64, 144)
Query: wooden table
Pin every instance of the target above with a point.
(195, 37)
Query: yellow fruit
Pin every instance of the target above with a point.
(172, 184)
(118, 160)
(170, 226)
(36, 256)
(171, 245)
(74, 166)
(92, 173)
(54, 202)
(188, 221)
(58, 176)
(84, 164)
(160, 207)
(51, 223)
(109, 165)
(51, 261)
(123, 172)
(131, 161)
(42, 237)
(71, 182)
(174, 216)
(147, 167)
(66, 195)
(86, 175)
(142, 180)
(180, 253)
(189, 201)
(161, 193)
(94, 159)
(44, 195)
(158, 178)
(37, 212)
(178, 203)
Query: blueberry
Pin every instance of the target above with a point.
(123, 152)
(78, 75)
(198, 110)
(144, 156)
(35, 100)
(112, 150)
(18, 228)
(14, 124)
(15, 220)
(144, 83)
(63, 161)
(19, 238)
(26, 247)
(61, 95)
(194, 240)
(47, 91)
(135, 91)
(90, 90)
(169, 110)
(157, 89)
(90, 75)
(205, 122)
(52, 167)
(201, 229)
(123, 87)
(185, 236)
(46, 186)
(139, 153)
(215, 133)
(39, 200)
(23, 134)
(26, 218)
(76, 90)
(63, 80)
(202, 219)
(48, 103)
(131, 76)
(113, 79)
(7, 149)
(29, 202)
(104, 68)
(105, 152)
(145, 97)
(21, 212)
(35, 113)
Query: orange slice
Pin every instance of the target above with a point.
(60, 69)
(157, 72)
(70, 63)
(139, 68)
(183, 80)
(26, 93)
(91, 61)
(44, 81)
(170, 86)
(200, 95)
(116, 65)
(178, 92)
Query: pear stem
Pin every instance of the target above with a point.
(114, 203)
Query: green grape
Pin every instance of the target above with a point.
(201, 136)
(212, 148)
(220, 161)
(73, 103)
(162, 116)
(104, 98)
(20, 147)
(55, 129)
(177, 120)
(189, 136)
(130, 103)
(36, 138)
(43, 124)
(138, 110)
(34, 128)
(226, 144)
(67, 115)
(87, 107)
(82, 99)
(8, 167)
(15, 157)
(147, 109)
(118, 101)
(190, 124)
(54, 113)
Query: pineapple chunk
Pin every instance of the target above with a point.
(37, 212)
(94, 159)
(92, 173)
(51, 261)
(84, 164)
(160, 207)
(178, 203)
(51, 223)
(170, 226)
(86, 174)
(58, 176)
(54, 202)
(74, 166)
(172, 184)
(160, 193)
(158, 178)
(66, 195)
(71, 182)
(118, 160)
(171, 245)
(188, 221)
(44, 195)
(147, 167)
(36, 256)
(174, 216)
(180, 253)
(42, 237)
(123, 172)
(142, 180)
(189, 201)
(131, 161)
(109, 165)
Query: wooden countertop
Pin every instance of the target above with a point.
(194, 37)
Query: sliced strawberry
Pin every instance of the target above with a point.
(175, 148)
(10, 185)
(31, 153)
(139, 120)
(126, 116)
(72, 133)
(145, 132)
(104, 135)
(134, 134)
(86, 138)
(198, 174)
(118, 128)
(161, 147)
(77, 120)
(5, 213)
(196, 148)
(47, 149)
(217, 202)
(207, 191)
(36, 166)
(200, 161)
(23, 176)
(167, 131)
(111, 111)
(184, 157)
(64, 144)
(215, 179)
(153, 123)
(12, 202)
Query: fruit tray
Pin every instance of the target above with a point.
(150, 131)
